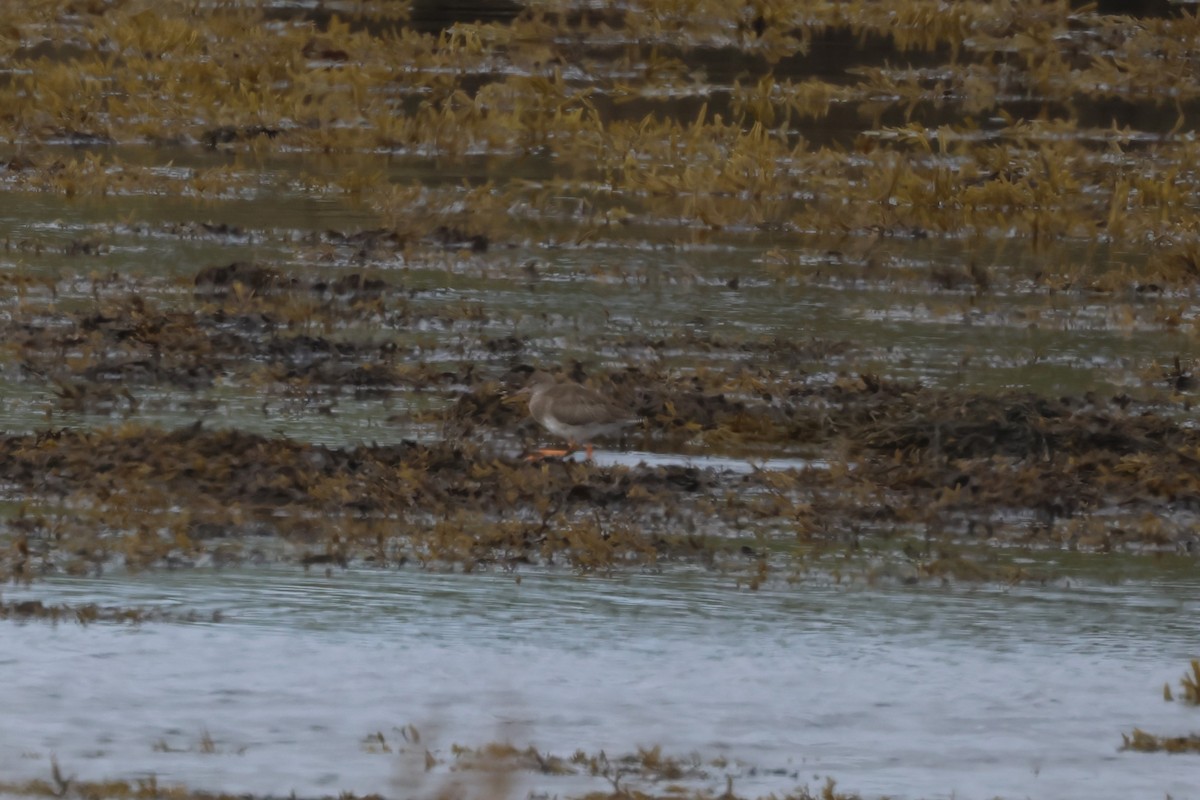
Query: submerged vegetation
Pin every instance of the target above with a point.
(492, 770)
(1150, 743)
(26, 610)
(1016, 167)
(902, 291)
(863, 119)
(1145, 742)
(1009, 468)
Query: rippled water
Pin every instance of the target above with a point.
(910, 693)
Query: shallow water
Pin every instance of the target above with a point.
(633, 458)
(603, 302)
(910, 693)
(916, 692)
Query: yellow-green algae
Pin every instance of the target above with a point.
(1144, 742)
(1007, 127)
(991, 125)
(939, 148)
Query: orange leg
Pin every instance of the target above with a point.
(550, 452)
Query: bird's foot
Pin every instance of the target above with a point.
(550, 452)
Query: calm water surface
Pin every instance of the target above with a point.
(913, 693)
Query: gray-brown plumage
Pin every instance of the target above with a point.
(573, 412)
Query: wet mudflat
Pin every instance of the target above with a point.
(902, 296)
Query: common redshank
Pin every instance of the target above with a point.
(573, 412)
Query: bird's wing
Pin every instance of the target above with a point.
(578, 405)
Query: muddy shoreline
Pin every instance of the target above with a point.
(944, 468)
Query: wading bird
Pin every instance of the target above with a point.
(572, 412)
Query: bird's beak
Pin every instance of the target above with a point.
(512, 398)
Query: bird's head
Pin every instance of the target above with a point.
(537, 379)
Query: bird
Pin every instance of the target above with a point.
(572, 412)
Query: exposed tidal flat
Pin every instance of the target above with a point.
(901, 292)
